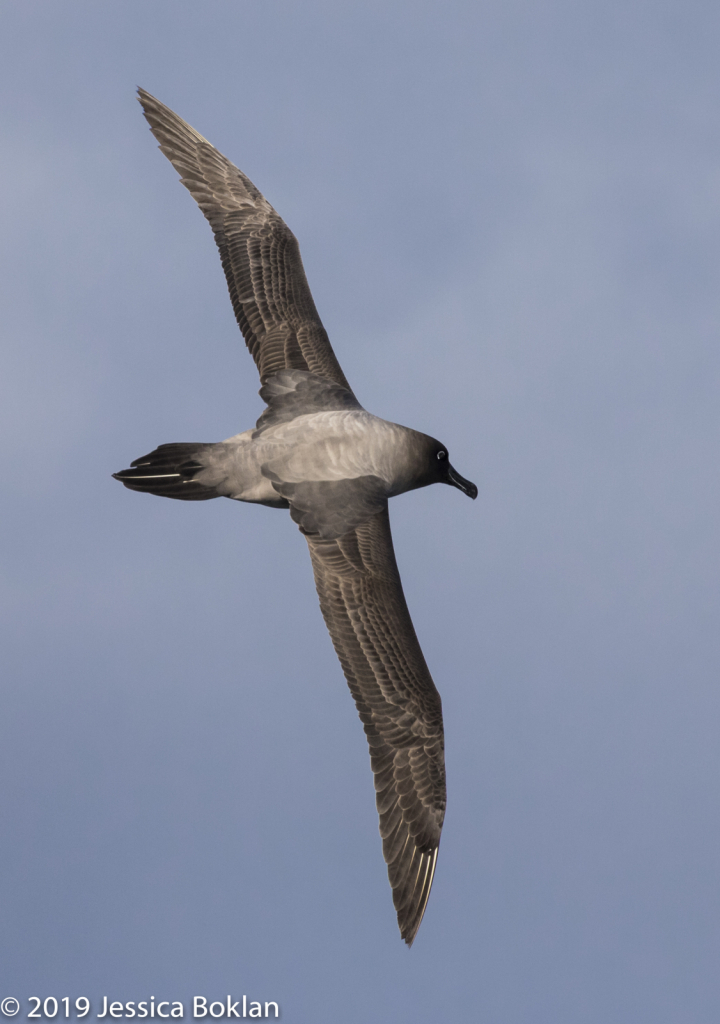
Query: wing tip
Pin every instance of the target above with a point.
(171, 131)
(145, 98)
(410, 924)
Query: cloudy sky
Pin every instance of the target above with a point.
(509, 214)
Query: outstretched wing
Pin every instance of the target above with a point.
(260, 254)
(365, 611)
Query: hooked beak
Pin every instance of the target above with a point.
(464, 485)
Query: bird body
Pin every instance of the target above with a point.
(346, 452)
(317, 452)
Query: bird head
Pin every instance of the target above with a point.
(438, 469)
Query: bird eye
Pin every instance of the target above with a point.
(441, 454)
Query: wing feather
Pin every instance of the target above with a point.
(365, 611)
(260, 255)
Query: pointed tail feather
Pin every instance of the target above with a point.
(170, 472)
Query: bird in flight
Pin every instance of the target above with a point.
(318, 453)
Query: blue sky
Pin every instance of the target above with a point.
(509, 215)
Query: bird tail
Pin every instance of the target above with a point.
(170, 471)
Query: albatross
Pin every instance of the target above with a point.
(318, 453)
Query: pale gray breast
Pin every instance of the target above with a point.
(338, 445)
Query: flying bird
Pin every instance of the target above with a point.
(317, 452)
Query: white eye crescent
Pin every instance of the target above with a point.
(442, 455)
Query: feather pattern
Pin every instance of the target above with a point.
(260, 255)
(362, 600)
